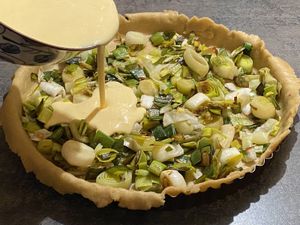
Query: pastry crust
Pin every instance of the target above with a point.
(210, 33)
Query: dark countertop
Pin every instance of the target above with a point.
(271, 195)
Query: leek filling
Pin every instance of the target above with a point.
(209, 113)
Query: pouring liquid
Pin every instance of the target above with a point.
(78, 25)
(101, 74)
(71, 24)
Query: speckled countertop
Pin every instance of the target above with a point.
(269, 196)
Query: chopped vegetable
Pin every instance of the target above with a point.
(119, 177)
(184, 127)
(230, 156)
(172, 178)
(45, 146)
(77, 153)
(224, 67)
(106, 155)
(45, 114)
(240, 119)
(196, 157)
(248, 47)
(196, 62)
(185, 86)
(31, 127)
(147, 87)
(179, 115)
(196, 101)
(105, 140)
(246, 63)
(157, 167)
(120, 52)
(157, 38)
(261, 134)
(71, 73)
(228, 131)
(249, 155)
(262, 108)
(135, 38)
(147, 101)
(212, 87)
(161, 133)
(53, 75)
(77, 133)
(53, 89)
(167, 152)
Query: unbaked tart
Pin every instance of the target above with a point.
(212, 105)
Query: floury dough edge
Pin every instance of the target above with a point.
(210, 33)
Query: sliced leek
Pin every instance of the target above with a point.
(196, 62)
(172, 178)
(77, 153)
(230, 156)
(262, 108)
(118, 177)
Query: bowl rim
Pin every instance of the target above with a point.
(44, 44)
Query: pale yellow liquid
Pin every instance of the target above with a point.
(101, 74)
(119, 115)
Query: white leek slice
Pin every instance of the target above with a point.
(230, 156)
(136, 128)
(172, 178)
(243, 96)
(179, 115)
(196, 62)
(217, 123)
(77, 153)
(147, 87)
(192, 175)
(253, 84)
(228, 131)
(246, 138)
(122, 180)
(260, 137)
(235, 93)
(224, 66)
(135, 38)
(165, 109)
(246, 109)
(147, 101)
(68, 86)
(52, 88)
(184, 127)
(250, 155)
(167, 152)
(231, 86)
(261, 134)
(196, 101)
(262, 107)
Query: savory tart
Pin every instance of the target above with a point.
(210, 105)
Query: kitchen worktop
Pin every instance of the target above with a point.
(271, 195)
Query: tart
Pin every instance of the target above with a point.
(215, 104)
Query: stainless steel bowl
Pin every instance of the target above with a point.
(19, 49)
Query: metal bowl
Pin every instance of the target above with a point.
(18, 49)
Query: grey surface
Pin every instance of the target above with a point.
(269, 196)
